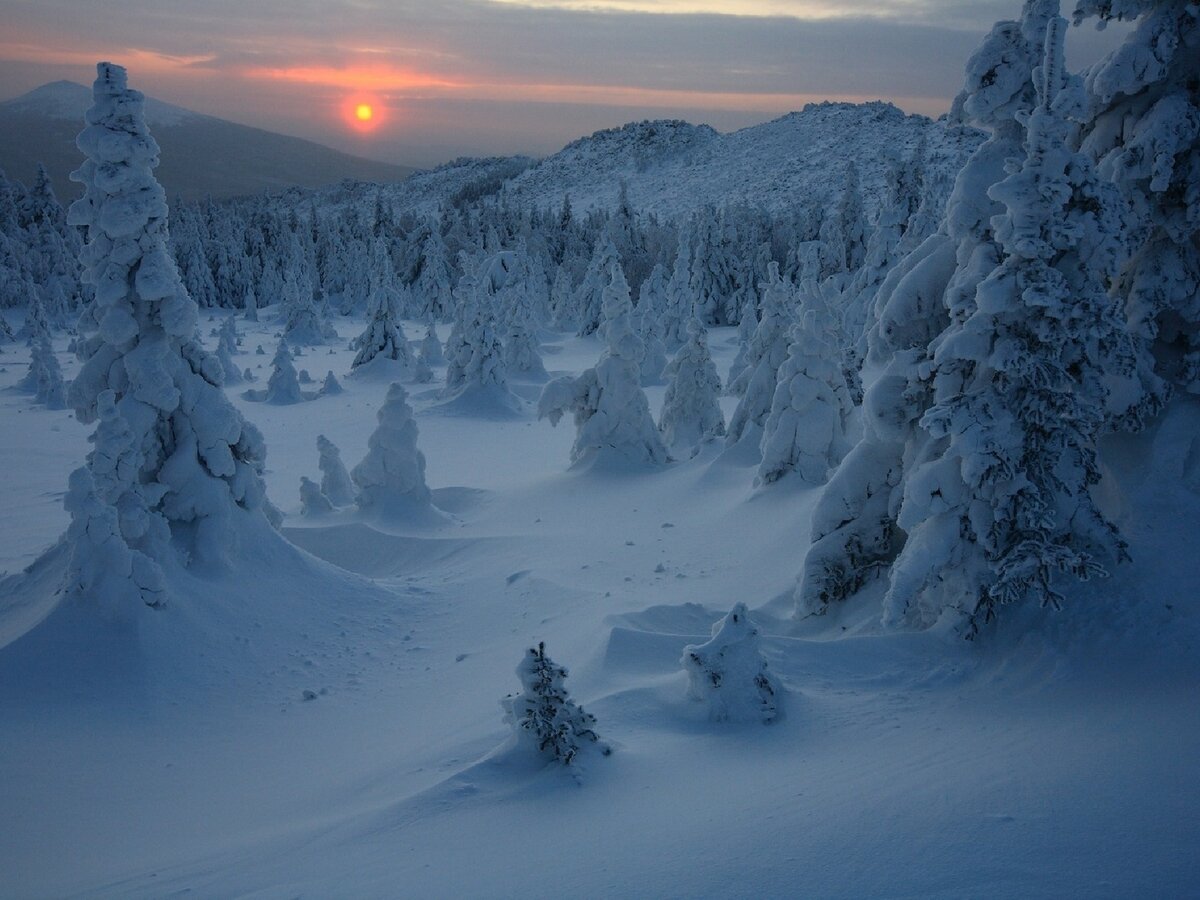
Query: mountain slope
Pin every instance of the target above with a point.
(201, 155)
(671, 167)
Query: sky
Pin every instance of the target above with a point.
(448, 78)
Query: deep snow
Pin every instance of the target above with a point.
(1053, 756)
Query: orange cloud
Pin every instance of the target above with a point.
(368, 78)
(399, 81)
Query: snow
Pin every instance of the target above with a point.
(204, 769)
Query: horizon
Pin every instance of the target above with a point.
(729, 64)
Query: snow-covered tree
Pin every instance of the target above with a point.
(1143, 128)
(384, 337)
(430, 351)
(335, 480)
(283, 387)
(589, 298)
(729, 674)
(855, 533)
(1003, 508)
(680, 299)
(331, 386)
(226, 349)
(391, 477)
(190, 466)
(805, 431)
(691, 413)
(610, 408)
(767, 351)
(475, 353)
(44, 378)
(543, 716)
(313, 501)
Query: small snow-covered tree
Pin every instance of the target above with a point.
(331, 386)
(335, 480)
(589, 298)
(226, 348)
(766, 354)
(384, 335)
(430, 351)
(543, 717)
(192, 466)
(610, 408)
(283, 387)
(691, 413)
(391, 477)
(805, 431)
(729, 674)
(313, 501)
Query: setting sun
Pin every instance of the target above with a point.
(363, 112)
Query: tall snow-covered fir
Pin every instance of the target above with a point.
(175, 468)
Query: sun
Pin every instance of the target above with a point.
(363, 112)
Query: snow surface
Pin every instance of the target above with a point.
(262, 739)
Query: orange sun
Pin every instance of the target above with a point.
(363, 113)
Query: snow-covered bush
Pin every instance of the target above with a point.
(729, 674)
(691, 413)
(543, 717)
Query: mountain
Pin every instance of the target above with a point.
(671, 167)
(201, 155)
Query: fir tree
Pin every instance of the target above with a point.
(190, 460)
(543, 716)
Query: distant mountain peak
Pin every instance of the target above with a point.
(70, 100)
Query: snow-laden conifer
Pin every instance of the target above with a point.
(766, 354)
(691, 413)
(805, 431)
(335, 480)
(391, 477)
(544, 718)
(226, 349)
(1003, 509)
(1143, 129)
(729, 674)
(331, 386)
(589, 298)
(313, 501)
(430, 351)
(855, 535)
(383, 338)
(610, 408)
(283, 386)
(193, 466)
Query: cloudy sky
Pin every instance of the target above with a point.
(444, 78)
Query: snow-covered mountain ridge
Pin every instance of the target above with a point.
(671, 167)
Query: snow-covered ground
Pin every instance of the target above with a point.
(1054, 756)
